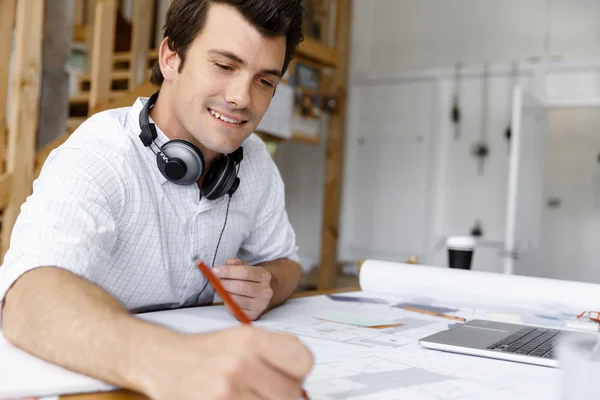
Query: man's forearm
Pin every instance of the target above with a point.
(64, 319)
(285, 276)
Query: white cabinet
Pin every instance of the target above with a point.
(386, 179)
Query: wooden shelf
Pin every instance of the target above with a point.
(84, 97)
(314, 140)
(126, 55)
(309, 48)
(74, 122)
(115, 75)
(319, 52)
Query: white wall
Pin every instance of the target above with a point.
(391, 36)
(403, 200)
(302, 167)
(423, 191)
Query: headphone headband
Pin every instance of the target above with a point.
(183, 163)
(148, 130)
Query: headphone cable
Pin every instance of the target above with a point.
(217, 249)
(219, 241)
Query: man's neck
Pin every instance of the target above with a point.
(165, 119)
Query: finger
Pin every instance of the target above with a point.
(245, 303)
(227, 388)
(243, 272)
(234, 261)
(287, 354)
(267, 383)
(246, 312)
(242, 288)
(253, 308)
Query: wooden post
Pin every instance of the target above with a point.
(7, 13)
(335, 149)
(90, 11)
(140, 40)
(23, 116)
(105, 20)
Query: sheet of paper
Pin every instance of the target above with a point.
(277, 120)
(478, 288)
(351, 362)
(390, 364)
(23, 375)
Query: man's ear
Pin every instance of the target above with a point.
(168, 60)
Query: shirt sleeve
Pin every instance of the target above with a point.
(66, 222)
(272, 235)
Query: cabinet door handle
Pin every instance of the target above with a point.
(553, 202)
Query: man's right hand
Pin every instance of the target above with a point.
(240, 363)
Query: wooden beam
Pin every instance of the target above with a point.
(125, 56)
(25, 100)
(319, 52)
(314, 140)
(84, 97)
(140, 40)
(7, 12)
(144, 90)
(335, 149)
(105, 21)
(78, 13)
(114, 75)
(5, 189)
(90, 14)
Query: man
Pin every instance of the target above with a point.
(122, 209)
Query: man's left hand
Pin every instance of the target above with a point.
(249, 286)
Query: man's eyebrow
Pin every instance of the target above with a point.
(229, 55)
(275, 72)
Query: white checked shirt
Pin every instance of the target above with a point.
(101, 209)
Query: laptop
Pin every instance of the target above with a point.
(499, 340)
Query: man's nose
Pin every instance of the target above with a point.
(238, 93)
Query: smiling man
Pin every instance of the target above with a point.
(122, 210)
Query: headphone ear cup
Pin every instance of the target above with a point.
(219, 179)
(180, 162)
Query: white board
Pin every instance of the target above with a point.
(525, 176)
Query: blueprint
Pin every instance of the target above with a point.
(357, 362)
(366, 343)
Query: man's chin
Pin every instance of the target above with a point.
(225, 148)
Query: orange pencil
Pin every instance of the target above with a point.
(239, 314)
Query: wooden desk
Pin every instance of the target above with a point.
(127, 395)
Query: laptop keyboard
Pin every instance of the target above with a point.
(537, 342)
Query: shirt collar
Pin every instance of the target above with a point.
(133, 120)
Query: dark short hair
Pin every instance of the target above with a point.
(272, 18)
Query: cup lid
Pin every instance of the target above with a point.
(461, 242)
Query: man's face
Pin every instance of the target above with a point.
(227, 81)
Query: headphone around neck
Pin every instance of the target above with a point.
(183, 163)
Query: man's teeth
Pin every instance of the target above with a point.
(224, 118)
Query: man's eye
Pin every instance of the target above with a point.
(224, 67)
(266, 83)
